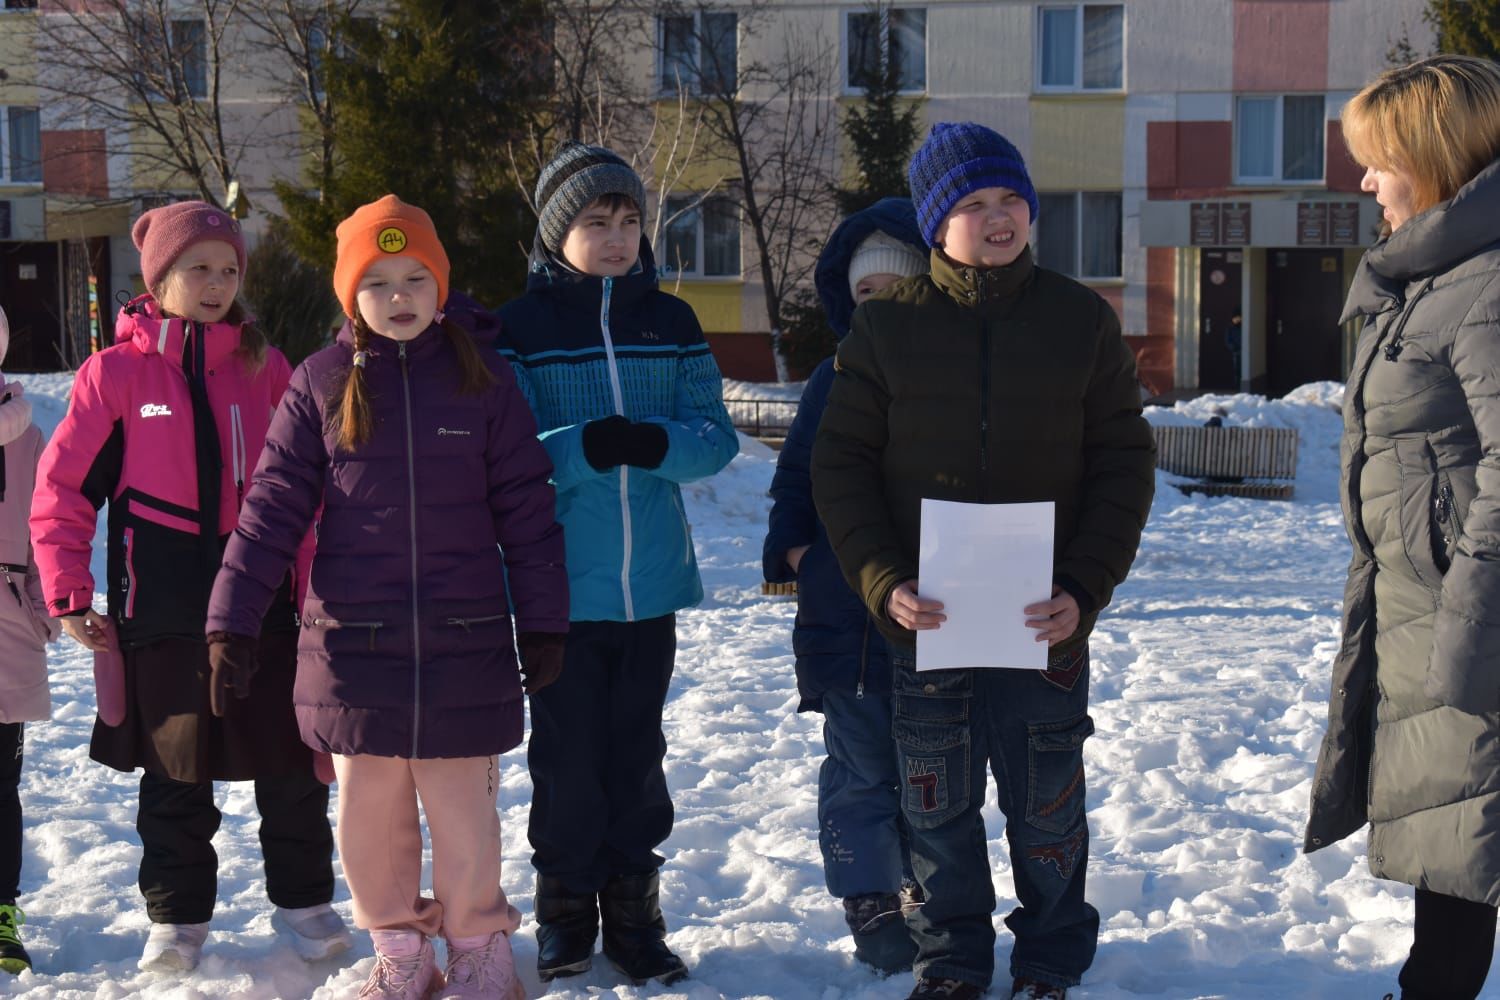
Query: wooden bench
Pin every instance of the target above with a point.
(1230, 461)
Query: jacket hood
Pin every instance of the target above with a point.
(895, 217)
(142, 325)
(550, 271)
(1429, 243)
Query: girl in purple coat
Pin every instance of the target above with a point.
(435, 502)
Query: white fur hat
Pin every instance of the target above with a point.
(4, 336)
(882, 253)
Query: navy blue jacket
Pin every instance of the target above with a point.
(837, 645)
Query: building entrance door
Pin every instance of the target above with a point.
(30, 295)
(1304, 295)
(1220, 325)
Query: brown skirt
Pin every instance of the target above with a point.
(170, 730)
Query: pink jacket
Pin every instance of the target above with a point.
(130, 438)
(25, 626)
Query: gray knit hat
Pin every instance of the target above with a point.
(578, 176)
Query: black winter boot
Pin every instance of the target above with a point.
(566, 925)
(635, 933)
(878, 924)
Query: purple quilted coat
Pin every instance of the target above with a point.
(406, 647)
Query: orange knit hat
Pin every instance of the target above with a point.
(387, 227)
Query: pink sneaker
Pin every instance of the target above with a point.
(481, 967)
(405, 968)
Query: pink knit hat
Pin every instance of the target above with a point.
(162, 234)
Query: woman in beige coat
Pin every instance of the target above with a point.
(25, 630)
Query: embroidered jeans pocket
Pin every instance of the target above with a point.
(931, 728)
(1054, 776)
(1064, 669)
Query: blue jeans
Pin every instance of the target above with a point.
(1029, 726)
(860, 829)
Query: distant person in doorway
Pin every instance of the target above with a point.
(1419, 666)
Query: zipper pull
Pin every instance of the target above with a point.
(401, 352)
(859, 691)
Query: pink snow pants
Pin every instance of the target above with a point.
(380, 844)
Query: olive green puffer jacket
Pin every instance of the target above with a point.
(1413, 743)
(1000, 385)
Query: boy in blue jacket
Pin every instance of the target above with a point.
(629, 403)
(843, 664)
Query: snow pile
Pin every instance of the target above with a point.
(1209, 684)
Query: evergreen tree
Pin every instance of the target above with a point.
(1465, 27)
(427, 97)
(882, 130)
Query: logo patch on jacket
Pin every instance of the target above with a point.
(156, 410)
(446, 431)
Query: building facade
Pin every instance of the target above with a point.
(1187, 153)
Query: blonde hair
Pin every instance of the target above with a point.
(1437, 120)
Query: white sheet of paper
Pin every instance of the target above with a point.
(985, 562)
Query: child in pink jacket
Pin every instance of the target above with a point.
(25, 630)
(166, 427)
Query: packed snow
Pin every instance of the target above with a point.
(1209, 686)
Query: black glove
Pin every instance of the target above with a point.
(541, 658)
(614, 440)
(231, 660)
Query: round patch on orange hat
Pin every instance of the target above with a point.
(391, 240)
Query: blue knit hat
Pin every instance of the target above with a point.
(958, 159)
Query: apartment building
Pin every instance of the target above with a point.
(1188, 155)
(72, 181)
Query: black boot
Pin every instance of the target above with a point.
(878, 924)
(566, 925)
(635, 933)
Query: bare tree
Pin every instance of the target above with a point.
(148, 75)
(772, 119)
(294, 39)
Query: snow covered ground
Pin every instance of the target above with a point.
(1211, 672)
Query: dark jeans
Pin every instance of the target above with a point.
(860, 829)
(12, 741)
(1029, 726)
(1451, 949)
(179, 873)
(600, 805)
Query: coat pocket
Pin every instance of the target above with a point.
(354, 627)
(1054, 773)
(931, 728)
(1420, 500)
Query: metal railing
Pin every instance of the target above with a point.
(762, 418)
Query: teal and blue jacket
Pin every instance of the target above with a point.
(583, 348)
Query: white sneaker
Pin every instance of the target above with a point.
(315, 932)
(173, 947)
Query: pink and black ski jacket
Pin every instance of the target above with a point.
(166, 426)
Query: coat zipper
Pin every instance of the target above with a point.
(339, 623)
(864, 661)
(237, 452)
(619, 397)
(416, 625)
(466, 623)
(984, 409)
(1447, 515)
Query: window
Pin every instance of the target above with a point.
(703, 239)
(1078, 233)
(700, 52)
(1279, 139)
(21, 144)
(1081, 47)
(190, 49)
(183, 63)
(895, 37)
